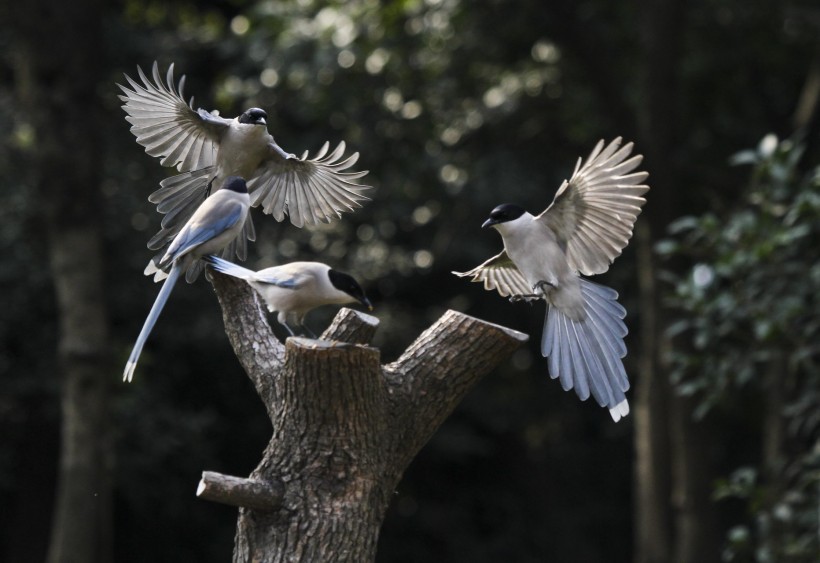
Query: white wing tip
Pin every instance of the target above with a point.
(128, 374)
(619, 411)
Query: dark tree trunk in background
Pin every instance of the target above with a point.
(674, 517)
(58, 52)
(345, 427)
(653, 520)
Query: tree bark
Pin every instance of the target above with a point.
(58, 53)
(345, 427)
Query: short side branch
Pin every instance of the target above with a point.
(237, 491)
(353, 327)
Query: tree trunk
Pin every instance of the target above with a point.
(697, 535)
(58, 57)
(653, 519)
(345, 427)
(670, 463)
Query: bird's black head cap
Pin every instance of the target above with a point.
(254, 116)
(503, 213)
(348, 284)
(235, 184)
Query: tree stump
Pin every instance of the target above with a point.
(345, 427)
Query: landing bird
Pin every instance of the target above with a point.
(208, 148)
(212, 226)
(584, 229)
(295, 289)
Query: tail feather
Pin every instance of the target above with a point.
(573, 337)
(585, 355)
(610, 329)
(229, 268)
(153, 270)
(185, 182)
(619, 411)
(176, 217)
(163, 238)
(560, 365)
(607, 317)
(191, 189)
(604, 300)
(156, 309)
(593, 364)
(612, 349)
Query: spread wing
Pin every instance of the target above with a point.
(499, 273)
(166, 126)
(593, 213)
(309, 190)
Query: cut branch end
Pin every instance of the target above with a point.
(237, 491)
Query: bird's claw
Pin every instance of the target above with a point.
(526, 298)
(539, 292)
(543, 287)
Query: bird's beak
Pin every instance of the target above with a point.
(489, 223)
(366, 302)
(261, 121)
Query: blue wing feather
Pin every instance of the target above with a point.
(214, 221)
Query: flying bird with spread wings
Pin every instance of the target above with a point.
(206, 149)
(583, 230)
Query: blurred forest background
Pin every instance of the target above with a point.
(455, 107)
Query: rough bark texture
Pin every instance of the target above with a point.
(56, 76)
(345, 427)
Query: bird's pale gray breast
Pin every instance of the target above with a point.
(242, 149)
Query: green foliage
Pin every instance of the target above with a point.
(748, 340)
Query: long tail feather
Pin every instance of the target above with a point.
(585, 355)
(156, 309)
(235, 270)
